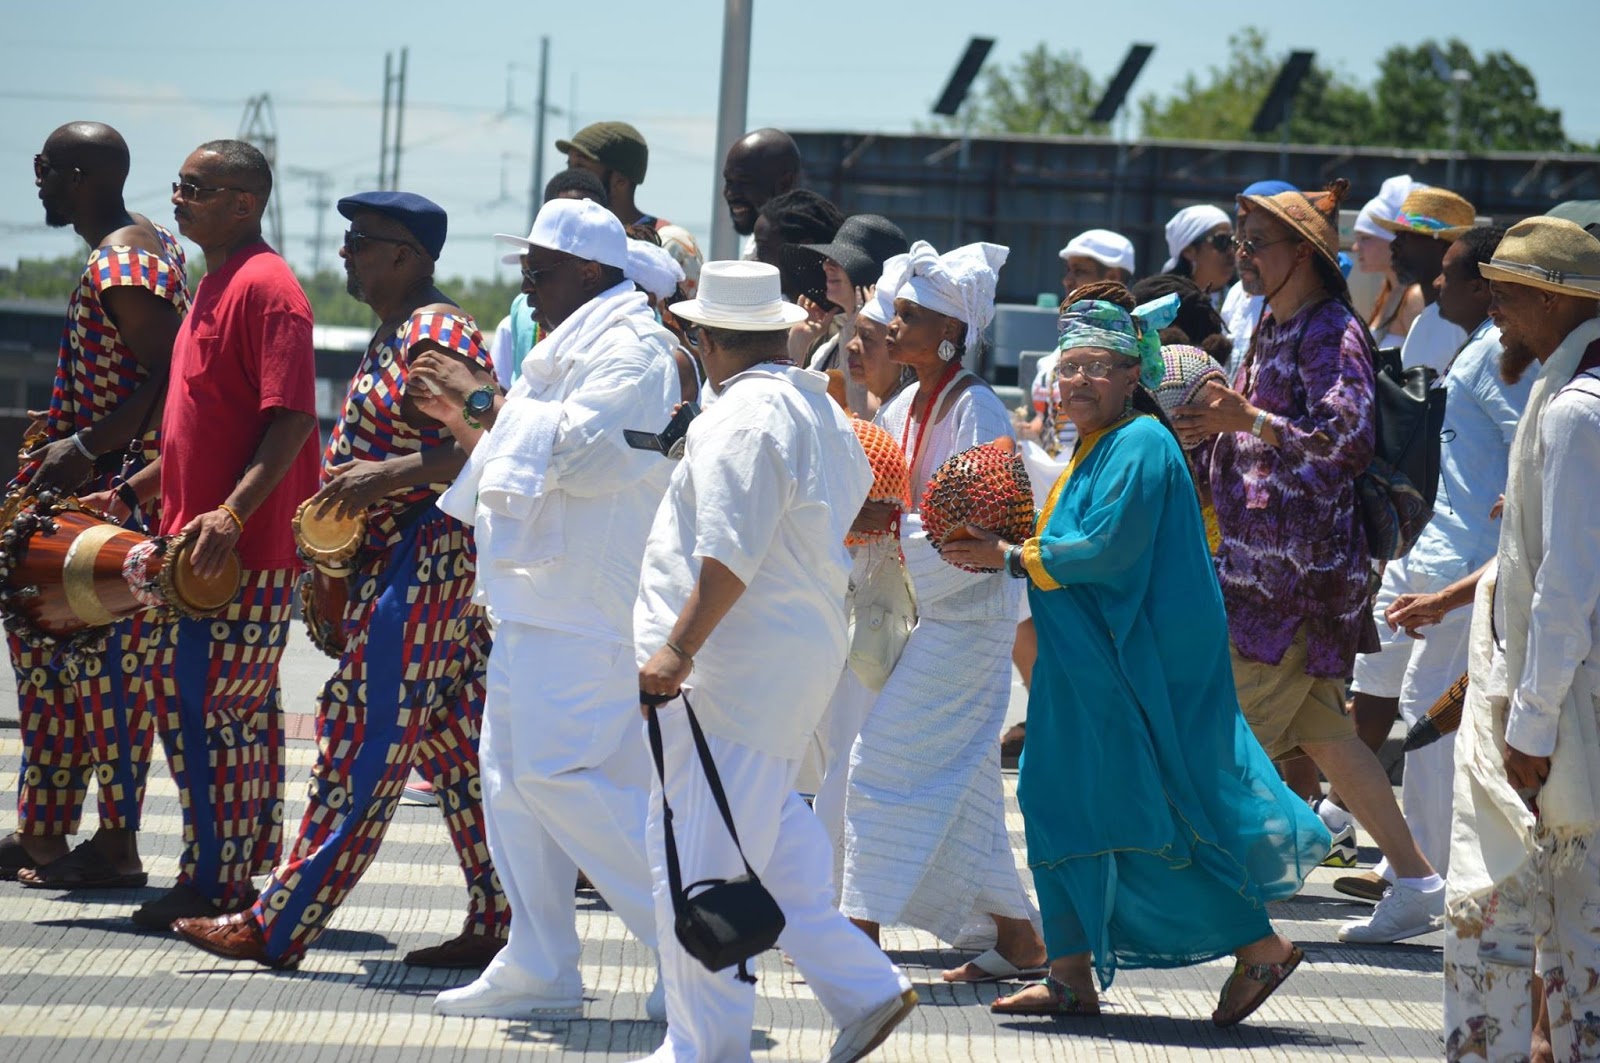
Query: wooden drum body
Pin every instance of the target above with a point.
(326, 541)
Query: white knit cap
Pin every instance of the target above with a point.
(1386, 204)
(1104, 246)
(653, 269)
(880, 307)
(959, 284)
(580, 227)
(1189, 225)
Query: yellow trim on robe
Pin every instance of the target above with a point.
(1032, 558)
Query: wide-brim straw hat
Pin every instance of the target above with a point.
(1435, 212)
(1313, 216)
(1549, 253)
(741, 296)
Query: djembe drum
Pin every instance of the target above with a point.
(330, 543)
(67, 573)
(890, 481)
(986, 487)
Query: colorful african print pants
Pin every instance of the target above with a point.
(81, 719)
(214, 691)
(408, 693)
(1546, 919)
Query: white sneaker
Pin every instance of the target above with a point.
(484, 1000)
(655, 1005)
(1403, 913)
(859, 1038)
(1333, 817)
(1343, 852)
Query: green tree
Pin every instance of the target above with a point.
(51, 279)
(1500, 109)
(1042, 92)
(1328, 108)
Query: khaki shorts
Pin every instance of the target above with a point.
(1285, 707)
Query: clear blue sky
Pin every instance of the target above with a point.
(179, 74)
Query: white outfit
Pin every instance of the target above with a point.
(561, 507)
(1240, 312)
(771, 479)
(1480, 421)
(500, 353)
(1432, 341)
(925, 835)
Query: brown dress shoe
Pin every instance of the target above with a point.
(237, 936)
(466, 951)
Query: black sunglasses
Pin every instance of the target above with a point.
(43, 167)
(1221, 241)
(353, 239)
(188, 190)
(691, 334)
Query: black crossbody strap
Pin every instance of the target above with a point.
(674, 874)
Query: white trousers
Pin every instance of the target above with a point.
(565, 786)
(1545, 919)
(709, 1015)
(847, 711)
(1418, 671)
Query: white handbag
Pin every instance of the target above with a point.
(882, 613)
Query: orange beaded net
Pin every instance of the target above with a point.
(986, 487)
(890, 481)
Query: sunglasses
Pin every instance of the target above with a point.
(42, 168)
(1222, 242)
(353, 239)
(691, 335)
(189, 191)
(1251, 248)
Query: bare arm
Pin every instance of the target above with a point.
(356, 485)
(218, 531)
(714, 593)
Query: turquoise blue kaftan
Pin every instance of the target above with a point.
(1157, 828)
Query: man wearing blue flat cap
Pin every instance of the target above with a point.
(412, 647)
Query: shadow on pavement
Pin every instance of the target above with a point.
(1177, 1033)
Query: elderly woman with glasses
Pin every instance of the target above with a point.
(1157, 828)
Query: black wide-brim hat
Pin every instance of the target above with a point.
(862, 245)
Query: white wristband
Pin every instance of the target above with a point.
(77, 441)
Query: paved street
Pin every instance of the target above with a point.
(78, 981)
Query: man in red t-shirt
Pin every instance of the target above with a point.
(238, 455)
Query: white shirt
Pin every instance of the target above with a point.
(1564, 633)
(1240, 312)
(1480, 420)
(1432, 341)
(500, 348)
(770, 481)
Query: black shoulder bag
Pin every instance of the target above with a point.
(732, 919)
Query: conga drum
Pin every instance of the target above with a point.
(330, 543)
(890, 480)
(67, 572)
(986, 487)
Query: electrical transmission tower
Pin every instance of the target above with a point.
(321, 182)
(260, 127)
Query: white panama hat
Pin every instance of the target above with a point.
(742, 296)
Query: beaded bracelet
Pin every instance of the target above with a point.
(230, 512)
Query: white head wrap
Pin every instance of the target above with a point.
(880, 307)
(959, 284)
(652, 268)
(1189, 225)
(1104, 246)
(1386, 205)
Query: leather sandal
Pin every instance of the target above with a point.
(14, 858)
(85, 868)
(1063, 1001)
(1268, 976)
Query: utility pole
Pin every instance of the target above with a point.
(393, 121)
(732, 105)
(260, 127)
(321, 184)
(536, 191)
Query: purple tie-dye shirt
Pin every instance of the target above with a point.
(1293, 551)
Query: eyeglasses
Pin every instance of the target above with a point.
(188, 190)
(42, 168)
(1223, 242)
(531, 277)
(1099, 369)
(1252, 248)
(691, 335)
(353, 239)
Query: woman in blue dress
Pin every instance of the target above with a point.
(1157, 828)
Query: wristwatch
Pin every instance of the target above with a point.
(478, 403)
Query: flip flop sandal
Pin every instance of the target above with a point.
(13, 858)
(82, 869)
(1063, 1001)
(996, 968)
(1269, 976)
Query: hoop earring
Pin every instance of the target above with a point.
(947, 351)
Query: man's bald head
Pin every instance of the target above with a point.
(760, 165)
(93, 148)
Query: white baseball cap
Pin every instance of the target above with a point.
(744, 296)
(580, 227)
(1104, 246)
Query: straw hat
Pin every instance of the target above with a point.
(741, 296)
(1313, 216)
(1549, 253)
(1435, 212)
